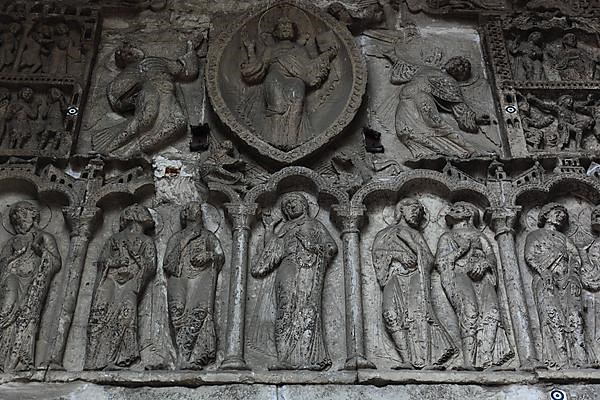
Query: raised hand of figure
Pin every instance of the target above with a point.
(269, 221)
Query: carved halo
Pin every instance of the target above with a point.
(45, 216)
(269, 19)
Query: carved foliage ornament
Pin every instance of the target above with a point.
(286, 80)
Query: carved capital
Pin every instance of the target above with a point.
(349, 219)
(81, 220)
(503, 219)
(240, 214)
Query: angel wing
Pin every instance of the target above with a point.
(446, 88)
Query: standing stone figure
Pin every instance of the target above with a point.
(556, 267)
(590, 279)
(126, 265)
(299, 252)
(20, 115)
(528, 56)
(467, 265)
(403, 263)
(146, 88)
(287, 72)
(28, 262)
(9, 45)
(193, 260)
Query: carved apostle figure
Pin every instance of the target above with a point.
(403, 263)
(28, 262)
(287, 72)
(467, 265)
(146, 87)
(573, 62)
(126, 265)
(193, 260)
(55, 114)
(556, 267)
(299, 252)
(425, 91)
(590, 279)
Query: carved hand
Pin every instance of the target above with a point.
(201, 259)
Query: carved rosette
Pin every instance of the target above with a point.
(333, 91)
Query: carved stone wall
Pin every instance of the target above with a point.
(292, 199)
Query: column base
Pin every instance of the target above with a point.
(358, 362)
(234, 364)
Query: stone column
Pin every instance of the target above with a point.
(240, 216)
(81, 222)
(350, 220)
(503, 221)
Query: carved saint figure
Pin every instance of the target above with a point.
(193, 260)
(146, 87)
(555, 264)
(425, 91)
(299, 252)
(21, 113)
(467, 265)
(28, 262)
(590, 279)
(126, 265)
(572, 123)
(9, 44)
(527, 58)
(287, 72)
(54, 115)
(403, 263)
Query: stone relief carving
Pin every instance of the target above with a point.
(429, 111)
(46, 56)
(126, 265)
(287, 98)
(146, 85)
(555, 262)
(193, 260)
(449, 6)
(28, 262)
(403, 263)
(298, 250)
(467, 264)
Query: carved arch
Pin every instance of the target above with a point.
(585, 185)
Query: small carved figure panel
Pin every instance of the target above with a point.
(285, 80)
(297, 253)
(29, 260)
(425, 93)
(38, 120)
(562, 49)
(561, 123)
(126, 265)
(456, 6)
(193, 260)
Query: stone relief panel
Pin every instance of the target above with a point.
(439, 280)
(49, 49)
(557, 250)
(285, 80)
(566, 123)
(425, 92)
(147, 96)
(295, 307)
